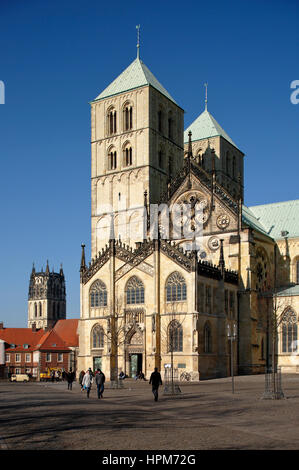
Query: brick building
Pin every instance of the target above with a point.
(34, 351)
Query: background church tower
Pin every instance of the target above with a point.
(136, 146)
(47, 298)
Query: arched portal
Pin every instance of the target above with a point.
(134, 352)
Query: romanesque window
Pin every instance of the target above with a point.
(112, 159)
(127, 155)
(128, 117)
(175, 337)
(135, 291)
(111, 118)
(98, 294)
(176, 288)
(97, 337)
(289, 331)
(207, 338)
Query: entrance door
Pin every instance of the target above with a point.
(135, 364)
(97, 363)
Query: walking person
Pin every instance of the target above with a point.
(155, 381)
(100, 380)
(81, 375)
(87, 381)
(70, 379)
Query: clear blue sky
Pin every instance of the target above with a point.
(56, 56)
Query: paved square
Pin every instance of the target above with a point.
(39, 416)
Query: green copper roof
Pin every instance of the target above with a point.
(288, 291)
(206, 126)
(249, 219)
(134, 76)
(279, 217)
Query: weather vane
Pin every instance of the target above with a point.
(138, 39)
(206, 99)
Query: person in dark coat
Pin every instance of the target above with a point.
(81, 375)
(155, 381)
(100, 380)
(70, 379)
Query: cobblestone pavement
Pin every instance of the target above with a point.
(46, 416)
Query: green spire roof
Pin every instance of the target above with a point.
(206, 126)
(134, 76)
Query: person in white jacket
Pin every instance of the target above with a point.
(87, 381)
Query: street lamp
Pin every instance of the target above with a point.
(232, 336)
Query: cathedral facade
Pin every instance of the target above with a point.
(182, 273)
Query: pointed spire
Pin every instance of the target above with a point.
(33, 269)
(221, 264)
(206, 97)
(190, 145)
(47, 268)
(61, 270)
(83, 264)
(189, 156)
(112, 231)
(138, 40)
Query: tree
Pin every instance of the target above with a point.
(115, 334)
(172, 340)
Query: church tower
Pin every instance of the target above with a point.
(214, 150)
(136, 147)
(47, 298)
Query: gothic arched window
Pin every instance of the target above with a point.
(207, 336)
(98, 294)
(135, 291)
(97, 337)
(297, 272)
(35, 310)
(40, 309)
(289, 331)
(175, 337)
(176, 288)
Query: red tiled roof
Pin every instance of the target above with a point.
(51, 341)
(21, 336)
(67, 330)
